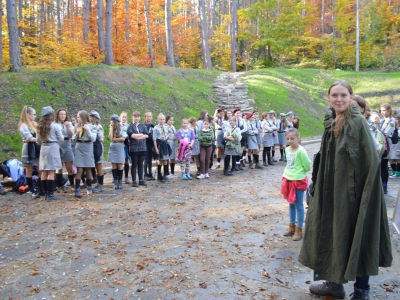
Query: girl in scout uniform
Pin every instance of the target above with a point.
(124, 126)
(148, 163)
(241, 124)
(171, 140)
(116, 153)
(49, 134)
(160, 137)
(283, 127)
(252, 143)
(98, 129)
(196, 144)
(30, 151)
(84, 137)
(219, 119)
(67, 154)
(257, 121)
(233, 146)
(276, 123)
(269, 131)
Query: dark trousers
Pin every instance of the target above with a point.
(384, 171)
(148, 161)
(137, 164)
(362, 283)
(205, 154)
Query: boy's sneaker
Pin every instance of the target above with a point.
(201, 176)
(78, 193)
(169, 176)
(89, 190)
(206, 175)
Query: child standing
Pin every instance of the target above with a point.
(196, 145)
(295, 182)
(116, 153)
(283, 128)
(96, 127)
(233, 147)
(48, 135)
(206, 138)
(252, 142)
(148, 163)
(219, 119)
(172, 144)
(160, 136)
(186, 139)
(124, 127)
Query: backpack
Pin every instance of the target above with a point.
(17, 173)
(97, 149)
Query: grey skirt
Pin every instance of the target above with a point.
(282, 138)
(101, 159)
(252, 143)
(24, 158)
(84, 157)
(230, 151)
(259, 139)
(276, 138)
(220, 138)
(116, 153)
(67, 155)
(196, 147)
(394, 150)
(50, 159)
(172, 145)
(268, 139)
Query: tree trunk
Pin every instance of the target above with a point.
(100, 28)
(1, 30)
(20, 33)
(127, 27)
(233, 36)
(86, 21)
(358, 36)
(109, 47)
(323, 17)
(205, 48)
(41, 28)
(146, 14)
(15, 51)
(168, 33)
(58, 21)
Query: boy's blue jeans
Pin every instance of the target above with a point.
(297, 208)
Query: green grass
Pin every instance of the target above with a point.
(178, 92)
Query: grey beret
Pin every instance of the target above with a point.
(272, 112)
(282, 115)
(94, 113)
(115, 118)
(289, 113)
(47, 110)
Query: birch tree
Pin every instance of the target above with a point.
(168, 33)
(146, 14)
(109, 46)
(14, 48)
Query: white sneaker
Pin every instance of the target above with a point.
(206, 175)
(170, 176)
(201, 176)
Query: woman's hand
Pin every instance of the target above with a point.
(158, 152)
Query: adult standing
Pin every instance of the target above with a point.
(346, 233)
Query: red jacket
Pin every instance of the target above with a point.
(288, 188)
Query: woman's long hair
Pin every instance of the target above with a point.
(296, 125)
(284, 122)
(116, 129)
(57, 115)
(44, 126)
(24, 118)
(341, 118)
(202, 115)
(83, 114)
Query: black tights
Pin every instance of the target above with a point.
(384, 171)
(266, 152)
(137, 162)
(148, 162)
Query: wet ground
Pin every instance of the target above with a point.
(219, 238)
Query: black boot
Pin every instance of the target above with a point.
(50, 191)
(359, 295)
(329, 289)
(227, 172)
(271, 162)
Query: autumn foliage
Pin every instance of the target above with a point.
(309, 33)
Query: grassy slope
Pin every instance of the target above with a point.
(181, 92)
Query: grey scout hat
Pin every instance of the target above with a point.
(115, 118)
(272, 112)
(282, 115)
(95, 114)
(47, 110)
(289, 113)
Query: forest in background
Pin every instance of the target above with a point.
(210, 34)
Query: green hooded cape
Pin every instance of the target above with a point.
(347, 231)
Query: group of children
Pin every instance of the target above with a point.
(77, 143)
